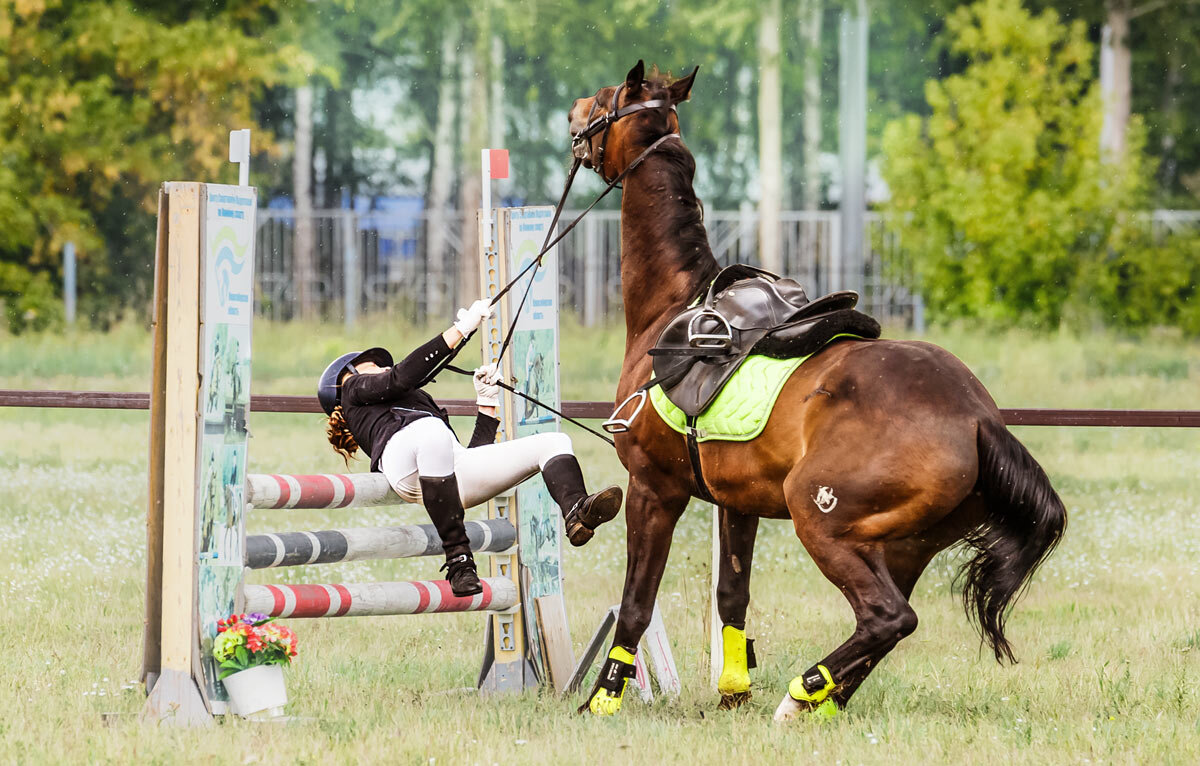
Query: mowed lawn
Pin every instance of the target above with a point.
(1108, 634)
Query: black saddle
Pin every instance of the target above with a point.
(747, 311)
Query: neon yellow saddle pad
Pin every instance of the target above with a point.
(740, 411)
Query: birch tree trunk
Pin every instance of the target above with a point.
(1115, 78)
(441, 178)
(474, 93)
(302, 242)
(811, 19)
(496, 125)
(1170, 118)
(770, 136)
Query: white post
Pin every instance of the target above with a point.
(489, 241)
(239, 153)
(69, 281)
(716, 657)
(351, 284)
(852, 142)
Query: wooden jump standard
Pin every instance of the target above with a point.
(197, 549)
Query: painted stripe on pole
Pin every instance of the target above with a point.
(319, 490)
(381, 598)
(287, 549)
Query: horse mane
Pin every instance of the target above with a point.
(677, 164)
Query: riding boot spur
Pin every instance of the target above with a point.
(445, 508)
(582, 512)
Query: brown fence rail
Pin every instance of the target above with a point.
(115, 400)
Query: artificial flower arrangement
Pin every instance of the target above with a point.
(249, 640)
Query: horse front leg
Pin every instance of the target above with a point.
(737, 535)
(650, 518)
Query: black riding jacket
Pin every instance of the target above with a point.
(377, 406)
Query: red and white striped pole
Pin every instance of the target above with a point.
(323, 490)
(378, 598)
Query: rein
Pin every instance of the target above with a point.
(580, 150)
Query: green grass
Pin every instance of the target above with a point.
(1107, 634)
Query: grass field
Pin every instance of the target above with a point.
(1108, 634)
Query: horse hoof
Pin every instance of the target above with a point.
(603, 705)
(791, 708)
(733, 701)
(788, 709)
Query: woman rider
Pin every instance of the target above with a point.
(378, 406)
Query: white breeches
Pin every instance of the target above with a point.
(427, 447)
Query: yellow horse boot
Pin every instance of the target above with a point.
(809, 692)
(610, 685)
(734, 683)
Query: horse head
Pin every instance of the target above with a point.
(612, 128)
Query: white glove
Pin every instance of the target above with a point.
(487, 392)
(470, 318)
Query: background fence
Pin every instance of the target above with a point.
(378, 262)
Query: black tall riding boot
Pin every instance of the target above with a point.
(442, 502)
(582, 512)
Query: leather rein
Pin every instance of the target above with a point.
(581, 150)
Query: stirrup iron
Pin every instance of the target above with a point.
(715, 341)
(616, 425)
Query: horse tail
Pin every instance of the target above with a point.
(1025, 519)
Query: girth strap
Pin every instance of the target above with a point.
(693, 448)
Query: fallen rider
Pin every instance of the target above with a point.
(378, 406)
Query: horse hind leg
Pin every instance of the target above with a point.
(883, 617)
(858, 567)
(906, 561)
(737, 536)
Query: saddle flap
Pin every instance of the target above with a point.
(698, 387)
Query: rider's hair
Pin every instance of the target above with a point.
(340, 436)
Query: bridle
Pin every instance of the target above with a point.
(581, 150)
(581, 144)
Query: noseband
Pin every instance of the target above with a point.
(581, 146)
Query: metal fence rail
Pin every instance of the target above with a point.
(380, 262)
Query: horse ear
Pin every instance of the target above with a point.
(682, 88)
(633, 80)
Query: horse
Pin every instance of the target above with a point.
(881, 452)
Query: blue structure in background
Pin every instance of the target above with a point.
(395, 221)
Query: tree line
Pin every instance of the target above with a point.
(102, 101)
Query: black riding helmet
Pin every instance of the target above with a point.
(329, 391)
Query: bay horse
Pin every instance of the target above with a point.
(881, 452)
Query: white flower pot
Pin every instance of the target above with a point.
(257, 689)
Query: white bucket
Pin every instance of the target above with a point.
(256, 689)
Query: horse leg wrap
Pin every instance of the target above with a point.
(610, 685)
(813, 688)
(734, 683)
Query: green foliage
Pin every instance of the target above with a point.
(1150, 280)
(102, 102)
(1000, 195)
(29, 300)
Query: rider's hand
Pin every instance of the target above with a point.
(487, 392)
(470, 318)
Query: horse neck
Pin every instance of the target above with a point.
(665, 255)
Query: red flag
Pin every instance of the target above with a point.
(498, 163)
